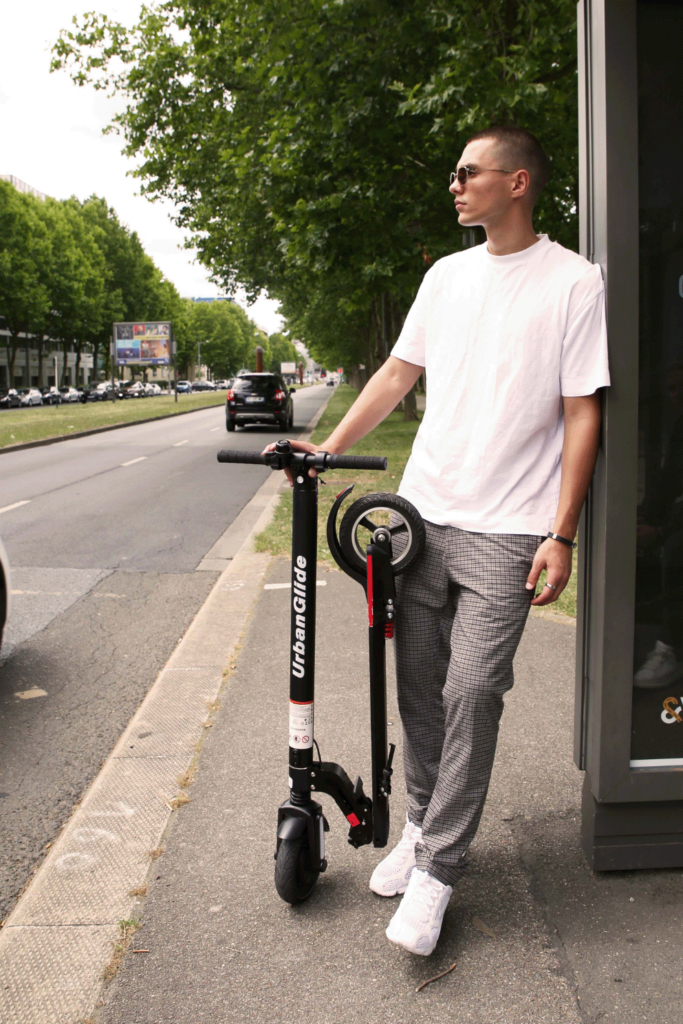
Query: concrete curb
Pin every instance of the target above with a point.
(98, 430)
(61, 935)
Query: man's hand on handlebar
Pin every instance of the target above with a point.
(298, 446)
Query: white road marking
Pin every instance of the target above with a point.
(286, 586)
(132, 462)
(30, 694)
(178, 443)
(17, 504)
(214, 428)
(45, 593)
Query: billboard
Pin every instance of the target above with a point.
(287, 367)
(143, 344)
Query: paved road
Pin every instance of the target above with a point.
(104, 554)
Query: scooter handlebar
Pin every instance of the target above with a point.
(318, 460)
(356, 462)
(251, 458)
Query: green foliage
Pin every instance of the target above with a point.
(308, 144)
(227, 336)
(25, 255)
(68, 270)
(282, 350)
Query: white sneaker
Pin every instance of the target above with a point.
(391, 876)
(659, 668)
(416, 925)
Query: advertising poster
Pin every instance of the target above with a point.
(143, 344)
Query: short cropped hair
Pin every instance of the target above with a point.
(519, 150)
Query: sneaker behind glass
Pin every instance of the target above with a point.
(391, 876)
(659, 668)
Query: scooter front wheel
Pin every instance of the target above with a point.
(294, 877)
(398, 516)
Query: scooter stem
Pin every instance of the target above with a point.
(302, 646)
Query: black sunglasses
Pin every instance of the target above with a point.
(464, 172)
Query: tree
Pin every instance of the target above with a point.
(25, 252)
(227, 336)
(308, 144)
(75, 279)
(135, 289)
(281, 351)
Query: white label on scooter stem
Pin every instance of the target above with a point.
(300, 725)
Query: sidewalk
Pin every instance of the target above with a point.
(536, 936)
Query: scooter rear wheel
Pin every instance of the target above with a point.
(294, 878)
(398, 516)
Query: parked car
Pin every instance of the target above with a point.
(152, 388)
(203, 385)
(136, 390)
(259, 398)
(69, 394)
(184, 387)
(222, 385)
(30, 396)
(104, 390)
(51, 396)
(331, 382)
(10, 399)
(5, 590)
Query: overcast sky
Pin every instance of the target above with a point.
(51, 138)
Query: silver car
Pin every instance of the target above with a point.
(30, 396)
(69, 394)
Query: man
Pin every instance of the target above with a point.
(511, 334)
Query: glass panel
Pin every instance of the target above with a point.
(658, 651)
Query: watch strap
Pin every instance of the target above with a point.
(562, 540)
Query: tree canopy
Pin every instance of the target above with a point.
(227, 336)
(69, 269)
(307, 145)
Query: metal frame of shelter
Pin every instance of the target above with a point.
(632, 818)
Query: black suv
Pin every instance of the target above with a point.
(259, 398)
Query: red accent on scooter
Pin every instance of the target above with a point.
(353, 819)
(388, 631)
(370, 614)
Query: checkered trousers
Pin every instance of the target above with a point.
(461, 610)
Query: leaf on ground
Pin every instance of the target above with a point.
(478, 923)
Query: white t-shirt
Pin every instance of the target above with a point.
(502, 339)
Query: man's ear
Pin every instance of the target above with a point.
(520, 184)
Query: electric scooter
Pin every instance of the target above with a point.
(379, 536)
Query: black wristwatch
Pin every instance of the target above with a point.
(562, 540)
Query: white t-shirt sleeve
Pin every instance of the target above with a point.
(410, 346)
(584, 365)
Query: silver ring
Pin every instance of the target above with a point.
(551, 586)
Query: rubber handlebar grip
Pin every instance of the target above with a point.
(357, 462)
(249, 458)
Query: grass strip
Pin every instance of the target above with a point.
(17, 426)
(393, 438)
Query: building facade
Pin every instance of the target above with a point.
(33, 368)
